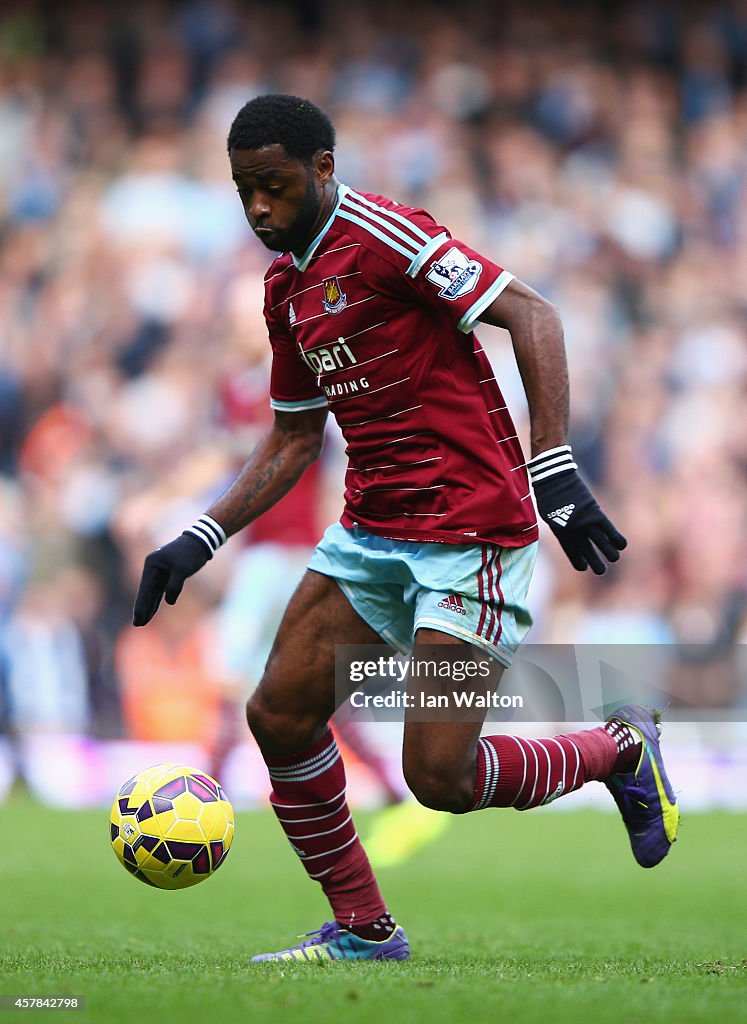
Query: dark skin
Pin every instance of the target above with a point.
(287, 202)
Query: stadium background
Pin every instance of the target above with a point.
(596, 150)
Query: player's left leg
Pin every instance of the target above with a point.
(288, 715)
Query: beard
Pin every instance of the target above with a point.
(299, 235)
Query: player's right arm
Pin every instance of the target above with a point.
(290, 446)
(276, 464)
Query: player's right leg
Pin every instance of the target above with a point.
(288, 715)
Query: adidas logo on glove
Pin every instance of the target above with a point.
(561, 515)
(557, 486)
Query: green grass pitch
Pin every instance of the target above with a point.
(538, 917)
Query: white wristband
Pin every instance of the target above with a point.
(210, 532)
(550, 463)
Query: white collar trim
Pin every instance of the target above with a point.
(302, 263)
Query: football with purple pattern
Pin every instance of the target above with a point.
(171, 826)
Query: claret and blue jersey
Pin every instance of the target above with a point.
(375, 320)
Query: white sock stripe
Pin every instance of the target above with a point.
(496, 776)
(304, 776)
(578, 762)
(482, 802)
(489, 771)
(553, 739)
(328, 853)
(315, 835)
(314, 803)
(562, 751)
(309, 773)
(496, 772)
(308, 762)
(294, 821)
(548, 788)
(288, 771)
(524, 755)
(536, 775)
(298, 773)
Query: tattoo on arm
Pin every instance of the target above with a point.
(263, 480)
(271, 471)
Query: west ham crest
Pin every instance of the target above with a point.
(335, 299)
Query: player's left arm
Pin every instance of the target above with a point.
(563, 499)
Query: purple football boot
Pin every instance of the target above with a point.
(644, 796)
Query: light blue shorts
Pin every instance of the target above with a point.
(476, 592)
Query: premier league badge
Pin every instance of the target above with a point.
(335, 299)
(454, 274)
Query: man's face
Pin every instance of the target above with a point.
(281, 195)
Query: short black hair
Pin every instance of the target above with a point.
(298, 125)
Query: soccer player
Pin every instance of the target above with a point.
(370, 309)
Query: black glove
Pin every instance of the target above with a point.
(572, 512)
(167, 568)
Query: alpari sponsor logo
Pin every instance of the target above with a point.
(454, 274)
(453, 603)
(335, 299)
(561, 515)
(334, 357)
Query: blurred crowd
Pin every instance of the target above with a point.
(597, 150)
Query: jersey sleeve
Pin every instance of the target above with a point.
(293, 386)
(458, 280)
(443, 272)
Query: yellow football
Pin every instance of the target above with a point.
(171, 826)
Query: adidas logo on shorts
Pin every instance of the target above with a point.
(453, 603)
